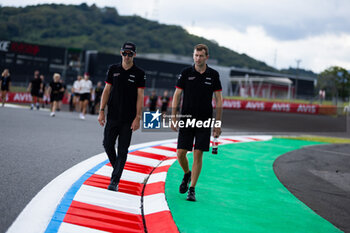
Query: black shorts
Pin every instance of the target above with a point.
(41, 94)
(84, 96)
(5, 88)
(34, 92)
(200, 136)
(54, 97)
(61, 94)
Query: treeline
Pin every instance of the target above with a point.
(103, 29)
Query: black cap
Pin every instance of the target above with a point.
(129, 46)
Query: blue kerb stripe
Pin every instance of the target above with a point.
(68, 197)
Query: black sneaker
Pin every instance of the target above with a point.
(185, 182)
(113, 186)
(191, 196)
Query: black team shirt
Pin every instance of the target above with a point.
(5, 81)
(55, 87)
(36, 82)
(198, 91)
(123, 97)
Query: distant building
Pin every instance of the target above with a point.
(161, 70)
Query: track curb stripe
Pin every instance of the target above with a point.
(88, 206)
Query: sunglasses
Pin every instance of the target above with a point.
(128, 54)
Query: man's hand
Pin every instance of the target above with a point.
(173, 123)
(102, 118)
(216, 132)
(136, 124)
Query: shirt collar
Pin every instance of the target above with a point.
(195, 71)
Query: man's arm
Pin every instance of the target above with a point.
(139, 104)
(174, 105)
(218, 116)
(104, 99)
(29, 87)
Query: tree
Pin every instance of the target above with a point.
(336, 81)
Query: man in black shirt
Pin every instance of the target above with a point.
(153, 99)
(123, 94)
(34, 87)
(197, 83)
(165, 102)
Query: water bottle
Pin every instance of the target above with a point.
(215, 146)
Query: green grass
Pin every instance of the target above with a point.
(238, 191)
(18, 89)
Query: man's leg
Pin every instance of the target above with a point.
(196, 166)
(202, 143)
(33, 100)
(110, 136)
(183, 161)
(123, 147)
(184, 144)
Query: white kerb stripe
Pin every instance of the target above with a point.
(167, 162)
(109, 199)
(159, 152)
(171, 145)
(71, 228)
(142, 160)
(157, 177)
(154, 203)
(126, 175)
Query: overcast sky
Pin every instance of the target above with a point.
(278, 32)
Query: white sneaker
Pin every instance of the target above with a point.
(52, 114)
(81, 116)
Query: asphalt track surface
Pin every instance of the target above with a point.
(34, 149)
(319, 176)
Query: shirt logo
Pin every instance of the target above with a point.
(208, 78)
(191, 78)
(151, 120)
(116, 74)
(132, 76)
(131, 80)
(208, 83)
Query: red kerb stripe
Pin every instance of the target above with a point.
(101, 218)
(165, 148)
(232, 140)
(161, 222)
(148, 155)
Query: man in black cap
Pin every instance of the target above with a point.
(123, 94)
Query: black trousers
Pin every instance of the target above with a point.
(123, 132)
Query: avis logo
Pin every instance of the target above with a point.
(151, 120)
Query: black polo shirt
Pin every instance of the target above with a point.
(123, 96)
(55, 87)
(36, 82)
(198, 91)
(5, 81)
